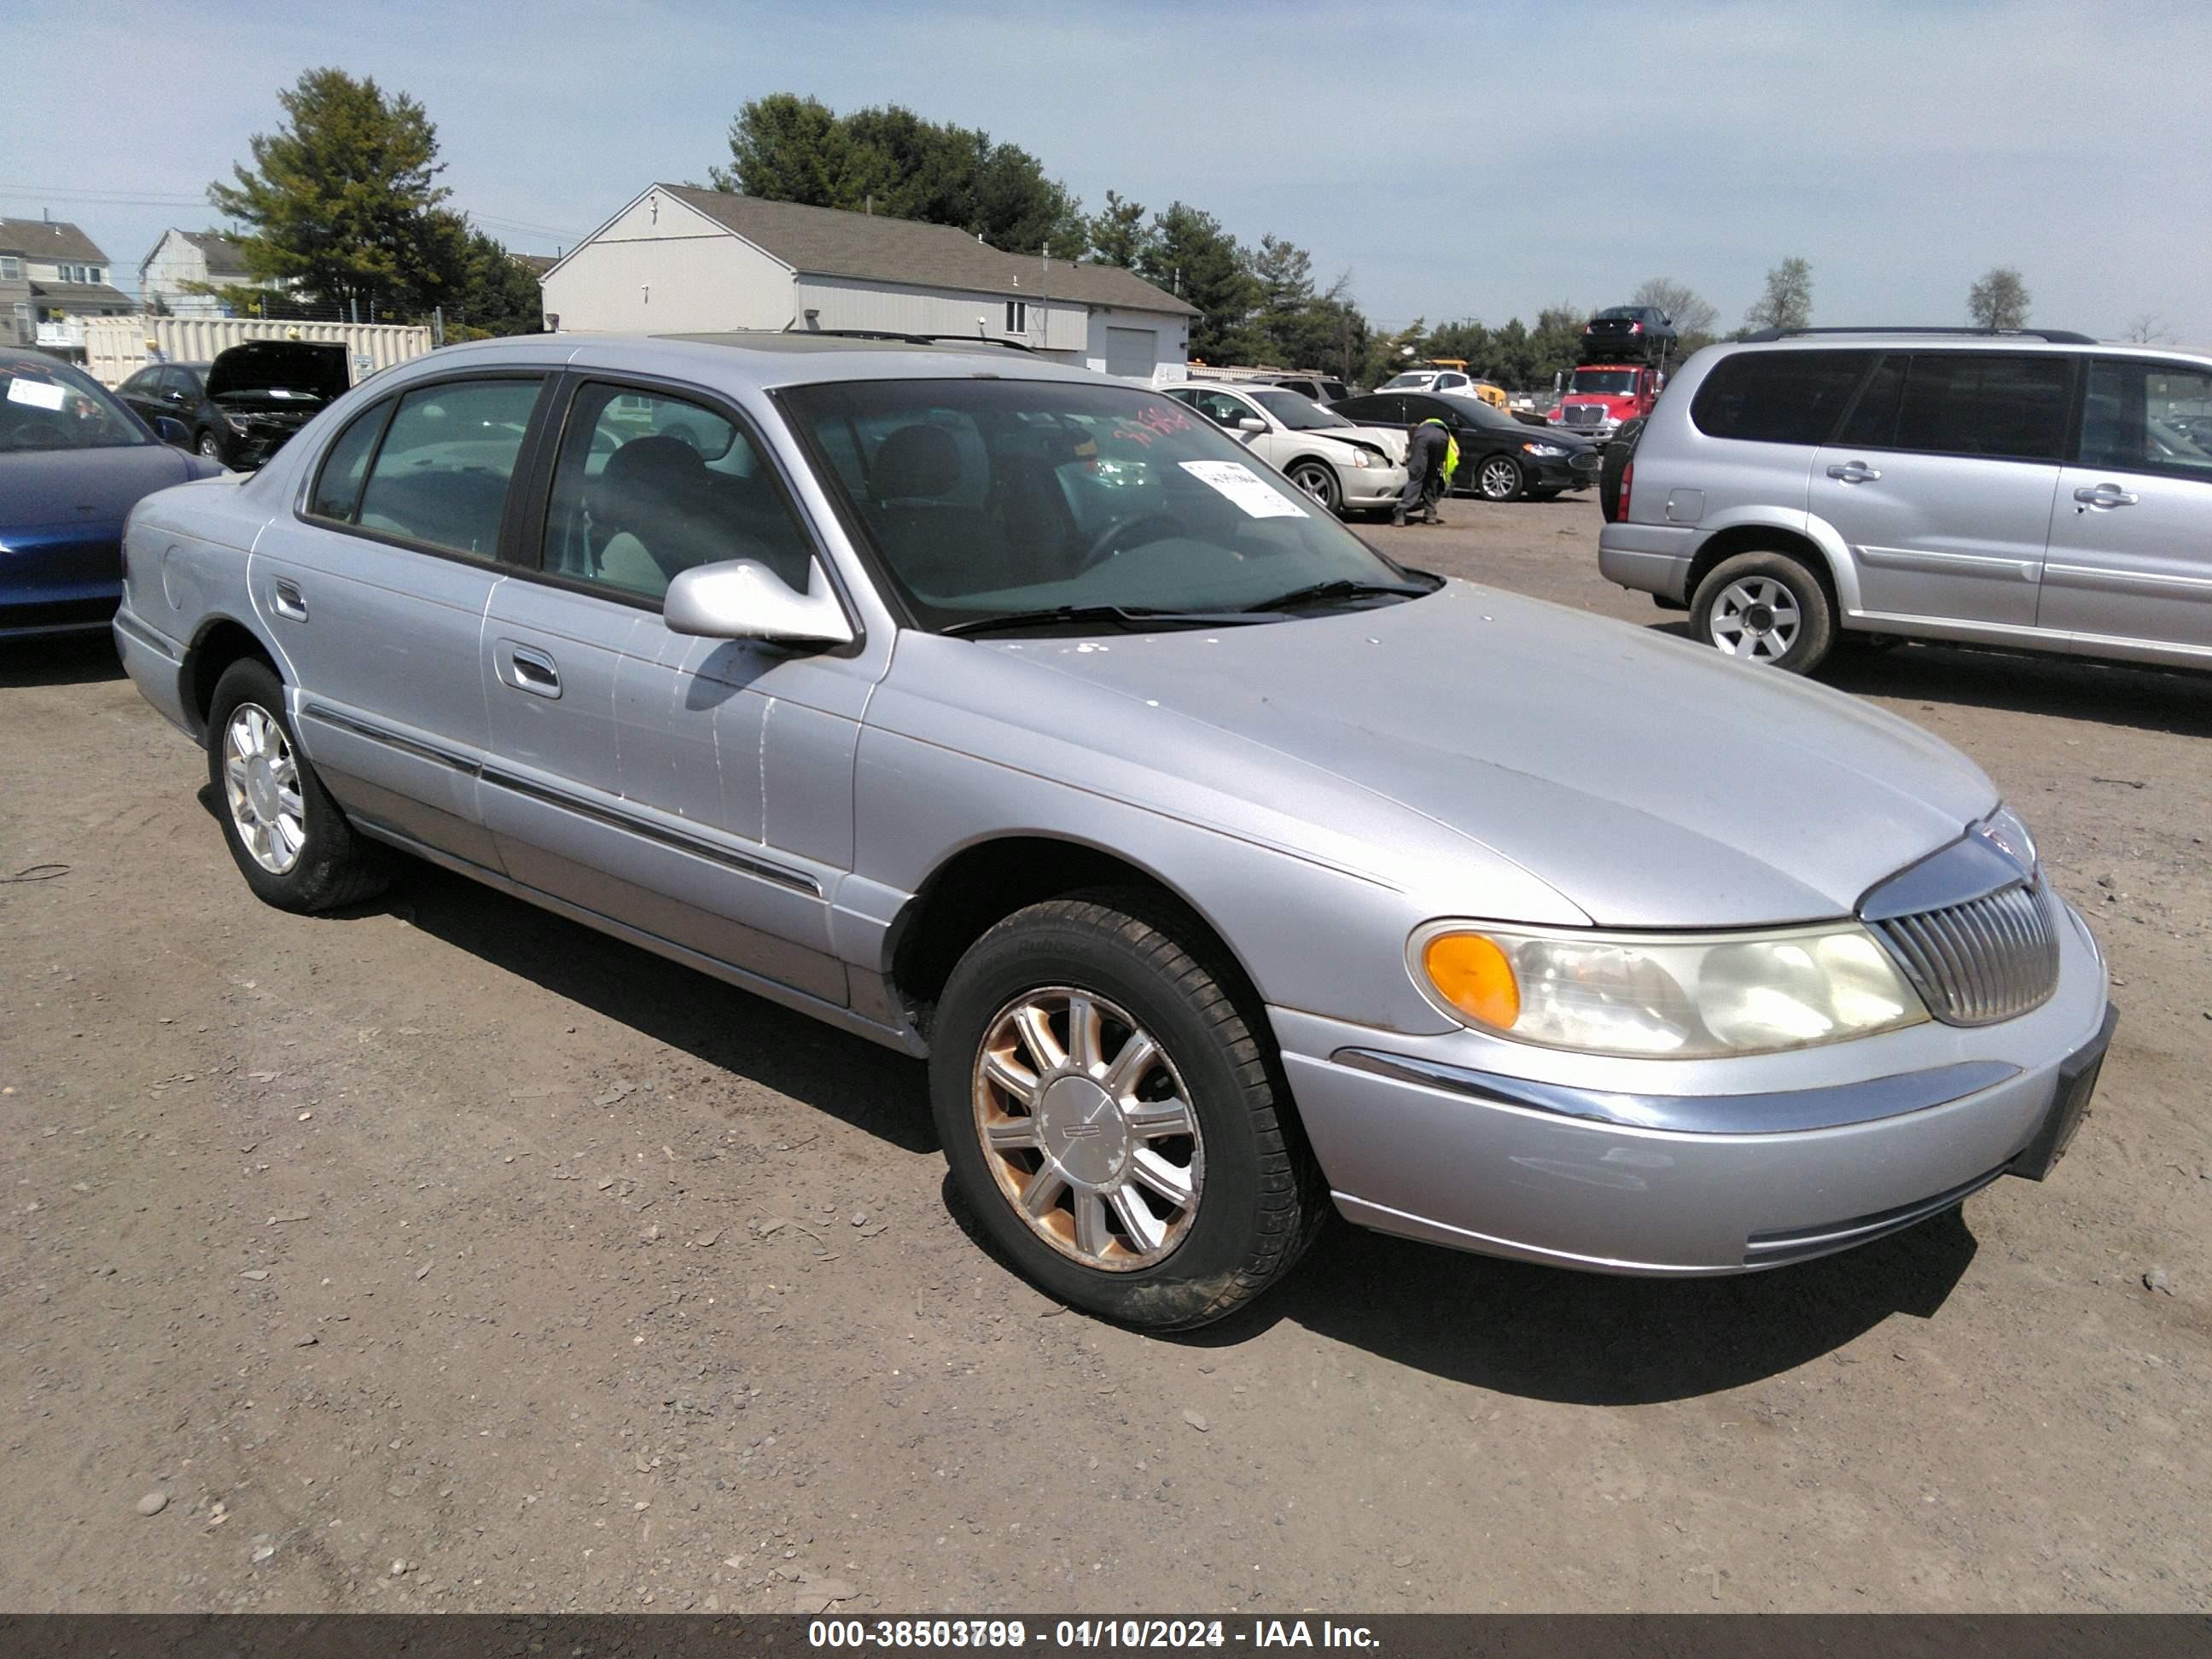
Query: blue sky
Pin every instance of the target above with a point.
(1460, 160)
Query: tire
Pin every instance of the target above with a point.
(1253, 1197)
(329, 864)
(1317, 480)
(204, 443)
(1499, 478)
(1765, 608)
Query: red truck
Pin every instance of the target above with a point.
(1602, 396)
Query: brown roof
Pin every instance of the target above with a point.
(831, 242)
(224, 256)
(536, 264)
(50, 239)
(82, 297)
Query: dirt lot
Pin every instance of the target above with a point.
(448, 1234)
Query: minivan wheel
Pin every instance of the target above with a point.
(1765, 608)
(291, 842)
(1318, 480)
(1113, 1118)
(1499, 478)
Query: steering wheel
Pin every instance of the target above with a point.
(1101, 547)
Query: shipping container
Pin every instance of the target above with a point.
(116, 348)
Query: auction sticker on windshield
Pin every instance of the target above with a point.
(1246, 488)
(39, 394)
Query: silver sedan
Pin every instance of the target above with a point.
(1224, 872)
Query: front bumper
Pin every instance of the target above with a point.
(1371, 487)
(1686, 1175)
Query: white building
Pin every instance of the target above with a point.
(191, 256)
(678, 260)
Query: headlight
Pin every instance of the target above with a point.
(1361, 458)
(235, 422)
(1667, 996)
(1546, 450)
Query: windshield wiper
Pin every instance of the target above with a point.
(1132, 619)
(1341, 588)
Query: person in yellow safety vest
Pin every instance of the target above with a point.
(1432, 458)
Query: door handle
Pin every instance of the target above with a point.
(286, 600)
(2104, 494)
(1854, 472)
(532, 672)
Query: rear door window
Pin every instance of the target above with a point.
(2149, 417)
(440, 476)
(1985, 402)
(1778, 396)
(338, 487)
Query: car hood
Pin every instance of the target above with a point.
(1650, 783)
(317, 367)
(88, 488)
(1335, 439)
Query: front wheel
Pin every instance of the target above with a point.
(207, 447)
(1317, 479)
(1114, 1120)
(291, 841)
(1765, 608)
(1499, 478)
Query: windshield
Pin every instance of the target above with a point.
(1419, 377)
(1473, 412)
(987, 497)
(50, 405)
(1604, 382)
(1297, 412)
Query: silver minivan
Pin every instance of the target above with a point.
(2037, 490)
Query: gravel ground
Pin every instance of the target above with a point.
(445, 1255)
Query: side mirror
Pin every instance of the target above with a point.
(1251, 423)
(743, 600)
(171, 430)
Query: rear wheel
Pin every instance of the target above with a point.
(1765, 608)
(1114, 1120)
(290, 839)
(1318, 480)
(1498, 479)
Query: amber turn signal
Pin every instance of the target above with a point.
(1472, 974)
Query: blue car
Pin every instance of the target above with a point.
(73, 463)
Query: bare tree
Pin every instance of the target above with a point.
(2000, 299)
(2150, 329)
(1788, 300)
(1691, 315)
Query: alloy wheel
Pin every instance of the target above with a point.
(261, 783)
(1087, 1128)
(1756, 617)
(1500, 479)
(1318, 484)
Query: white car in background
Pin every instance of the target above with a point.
(1344, 467)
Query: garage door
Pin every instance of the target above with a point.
(1131, 351)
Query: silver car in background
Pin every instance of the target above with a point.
(2037, 490)
(1224, 872)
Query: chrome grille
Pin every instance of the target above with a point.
(1988, 959)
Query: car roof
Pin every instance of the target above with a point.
(758, 359)
(1935, 339)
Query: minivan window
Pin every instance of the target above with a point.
(440, 476)
(1778, 397)
(1985, 403)
(2149, 417)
